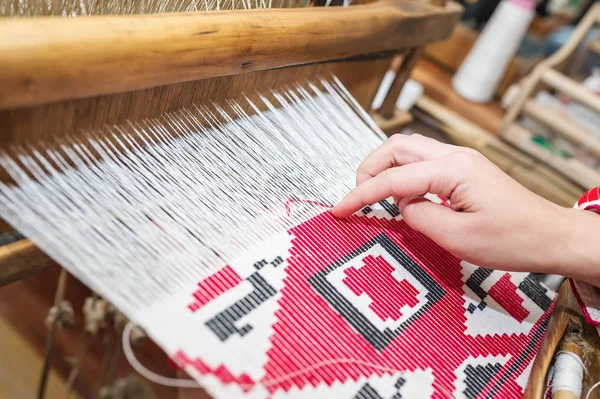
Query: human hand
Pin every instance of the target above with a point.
(493, 221)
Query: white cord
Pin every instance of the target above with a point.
(181, 383)
(143, 371)
(596, 385)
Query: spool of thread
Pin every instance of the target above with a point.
(483, 69)
(568, 376)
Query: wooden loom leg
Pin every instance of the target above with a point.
(565, 310)
(409, 61)
(50, 342)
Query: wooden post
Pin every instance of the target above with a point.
(408, 63)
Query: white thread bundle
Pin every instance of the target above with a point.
(568, 373)
(169, 204)
(77, 8)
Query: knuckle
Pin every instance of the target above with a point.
(464, 161)
(470, 151)
(410, 211)
(361, 169)
(396, 138)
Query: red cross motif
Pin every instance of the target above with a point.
(387, 294)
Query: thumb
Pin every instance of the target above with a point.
(442, 224)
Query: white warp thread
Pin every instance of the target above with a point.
(30, 8)
(171, 202)
(568, 373)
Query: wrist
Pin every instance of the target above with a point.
(574, 250)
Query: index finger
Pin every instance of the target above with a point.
(410, 180)
(400, 150)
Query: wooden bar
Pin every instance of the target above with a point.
(578, 172)
(571, 88)
(564, 125)
(21, 259)
(566, 310)
(529, 172)
(394, 124)
(594, 46)
(409, 61)
(50, 59)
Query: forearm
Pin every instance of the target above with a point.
(576, 250)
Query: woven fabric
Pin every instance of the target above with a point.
(357, 308)
(587, 295)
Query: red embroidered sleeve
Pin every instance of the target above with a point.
(587, 295)
(590, 201)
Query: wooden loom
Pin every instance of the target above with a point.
(65, 76)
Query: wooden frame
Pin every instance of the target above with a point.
(58, 76)
(546, 73)
(51, 59)
(531, 173)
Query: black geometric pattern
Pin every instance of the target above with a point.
(223, 324)
(474, 283)
(368, 392)
(390, 208)
(477, 377)
(532, 288)
(378, 339)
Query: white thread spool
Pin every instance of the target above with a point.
(568, 376)
(483, 69)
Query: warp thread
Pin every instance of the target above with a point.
(163, 203)
(29, 8)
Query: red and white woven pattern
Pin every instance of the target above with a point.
(356, 308)
(587, 295)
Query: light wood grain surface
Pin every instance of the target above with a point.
(50, 59)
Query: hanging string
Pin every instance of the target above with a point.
(592, 388)
(143, 371)
(183, 383)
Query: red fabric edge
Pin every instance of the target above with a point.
(586, 314)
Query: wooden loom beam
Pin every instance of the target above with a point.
(21, 259)
(51, 59)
